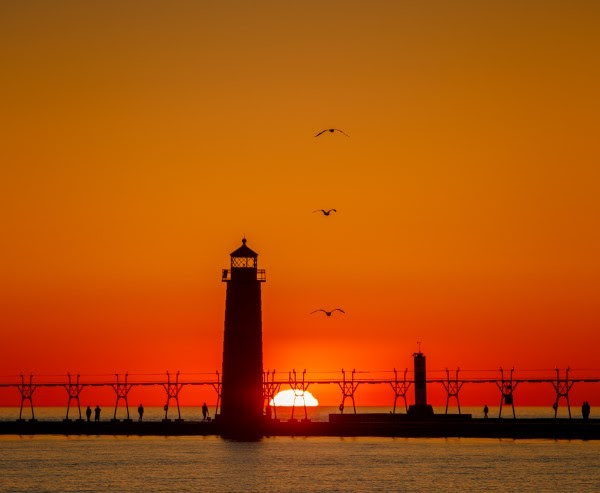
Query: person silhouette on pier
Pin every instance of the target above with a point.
(585, 410)
(268, 411)
(141, 411)
(88, 413)
(204, 412)
(97, 413)
(486, 410)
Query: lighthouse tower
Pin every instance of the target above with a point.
(242, 393)
(420, 407)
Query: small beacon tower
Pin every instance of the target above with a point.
(242, 392)
(420, 407)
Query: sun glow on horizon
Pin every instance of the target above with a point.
(289, 398)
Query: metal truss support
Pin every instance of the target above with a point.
(507, 387)
(400, 387)
(73, 390)
(348, 388)
(26, 389)
(270, 389)
(562, 386)
(452, 386)
(299, 388)
(217, 386)
(121, 389)
(172, 389)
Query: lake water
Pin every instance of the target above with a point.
(282, 464)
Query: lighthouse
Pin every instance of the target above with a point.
(242, 392)
(420, 407)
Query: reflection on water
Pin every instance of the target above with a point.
(154, 464)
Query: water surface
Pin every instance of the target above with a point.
(282, 464)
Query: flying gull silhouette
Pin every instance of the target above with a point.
(332, 130)
(326, 212)
(328, 313)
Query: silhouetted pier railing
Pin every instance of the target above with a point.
(400, 382)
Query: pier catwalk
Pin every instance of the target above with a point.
(351, 425)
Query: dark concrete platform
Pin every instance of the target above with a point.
(395, 418)
(108, 427)
(350, 425)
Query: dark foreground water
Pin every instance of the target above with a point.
(199, 464)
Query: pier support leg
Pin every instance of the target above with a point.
(400, 387)
(452, 387)
(507, 386)
(172, 389)
(73, 390)
(348, 388)
(270, 389)
(562, 386)
(217, 387)
(26, 389)
(121, 389)
(299, 388)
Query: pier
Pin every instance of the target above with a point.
(348, 382)
(398, 423)
(386, 425)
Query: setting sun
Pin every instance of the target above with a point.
(294, 398)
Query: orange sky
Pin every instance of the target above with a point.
(141, 140)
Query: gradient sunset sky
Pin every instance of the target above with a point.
(142, 139)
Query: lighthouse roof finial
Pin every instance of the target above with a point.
(244, 251)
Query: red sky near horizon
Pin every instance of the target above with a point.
(141, 141)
